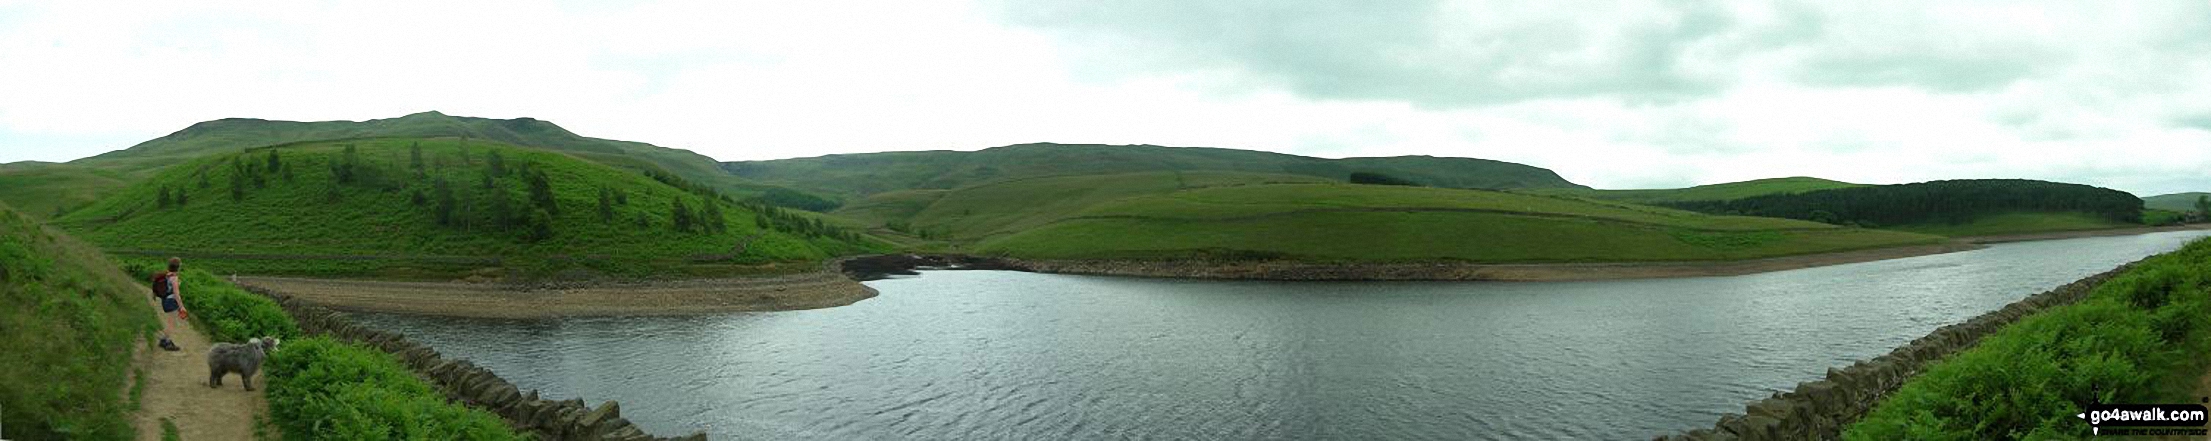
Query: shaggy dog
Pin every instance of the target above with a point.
(244, 359)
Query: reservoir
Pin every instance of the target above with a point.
(1011, 355)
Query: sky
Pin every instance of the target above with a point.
(1613, 94)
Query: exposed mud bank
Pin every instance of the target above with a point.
(683, 297)
(1821, 409)
(2054, 235)
(875, 267)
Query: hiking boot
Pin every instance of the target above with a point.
(169, 345)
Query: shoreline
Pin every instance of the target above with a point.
(683, 297)
(1513, 272)
(2076, 234)
(840, 284)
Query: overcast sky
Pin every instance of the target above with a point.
(1609, 94)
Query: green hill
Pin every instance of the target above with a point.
(1964, 207)
(1710, 192)
(366, 208)
(1009, 206)
(1373, 223)
(71, 318)
(42, 189)
(871, 173)
(2181, 202)
(231, 134)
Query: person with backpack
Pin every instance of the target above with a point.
(169, 288)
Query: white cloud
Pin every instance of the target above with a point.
(1611, 95)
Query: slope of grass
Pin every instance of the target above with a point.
(40, 190)
(1371, 223)
(870, 173)
(2016, 223)
(1710, 192)
(302, 217)
(68, 320)
(231, 134)
(2143, 337)
(2181, 202)
(1005, 207)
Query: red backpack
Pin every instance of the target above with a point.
(161, 284)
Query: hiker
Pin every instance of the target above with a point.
(169, 288)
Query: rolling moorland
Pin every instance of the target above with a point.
(435, 197)
(444, 208)
(441, 198)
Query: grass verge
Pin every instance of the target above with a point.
(2143, 337)
(346, 391)
(70, 321)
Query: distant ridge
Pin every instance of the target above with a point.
(230, 134)
(869, 173)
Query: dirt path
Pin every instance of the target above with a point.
(176, 388)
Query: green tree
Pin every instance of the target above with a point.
(274, 162)
(681, 214)
(181, 198)
(2203, 204)
(541, 192)
(606, 205)
(446, 204)
(712, 220)
(414, 156)
(501, 210)
(161, 200)
(237, 186)
(497, 165)
(538, 226)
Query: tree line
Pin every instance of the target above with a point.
(1950, 201)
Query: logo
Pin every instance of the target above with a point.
(2145, 419)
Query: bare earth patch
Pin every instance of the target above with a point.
(1475, 271)
(684, 297)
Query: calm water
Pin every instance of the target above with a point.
(1008, 355)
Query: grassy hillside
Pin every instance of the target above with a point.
(871, 173)
(1370, 223)
(2181, 202)
(1711, 192)
(364, 207)
(231, 134)
(41, 190)
(1005, 207)
(71, 318)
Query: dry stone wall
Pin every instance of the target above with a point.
(1820, 409)
(466, 382)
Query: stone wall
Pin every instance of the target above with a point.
(1820, 409)
(463, 381)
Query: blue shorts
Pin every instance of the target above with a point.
(169, 303)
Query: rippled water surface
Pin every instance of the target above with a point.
(1009, 355)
